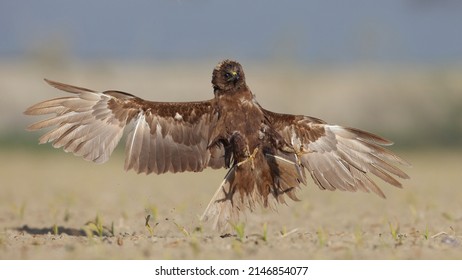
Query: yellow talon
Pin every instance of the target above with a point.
(250, 157)
(299, 154)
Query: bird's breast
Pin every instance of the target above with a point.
(242, 117)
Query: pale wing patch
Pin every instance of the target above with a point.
(82, 125)
(162, 145)
(178, 117)
(342, 158)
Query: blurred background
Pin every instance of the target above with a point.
(393, 67)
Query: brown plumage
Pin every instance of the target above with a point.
(267, 153)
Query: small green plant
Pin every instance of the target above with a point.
(240, 231)
(426, 233)
(148, 226)
(394, 231)
(264, 236)
(55, 229)
(395, 234)
(322, 237)
(97, 227)
(182, 229)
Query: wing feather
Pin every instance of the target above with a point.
(165, 137)
(339, 158)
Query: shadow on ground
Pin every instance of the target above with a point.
(47, 230)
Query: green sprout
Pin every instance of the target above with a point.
(97, 227)
(265, 232)
(322, 237)
(240, 231)
(394, 231)
(55, 229)
(182, 229)
(426, 234)
(148, 226)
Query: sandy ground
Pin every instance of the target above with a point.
(50, 201)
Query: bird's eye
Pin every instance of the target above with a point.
(228, 75)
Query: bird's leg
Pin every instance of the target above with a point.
(298, 155)
(298, 152)
(250, 157)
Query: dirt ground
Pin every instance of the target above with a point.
(56, 206)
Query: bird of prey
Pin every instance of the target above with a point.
(267, 154)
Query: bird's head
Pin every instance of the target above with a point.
(228, 76)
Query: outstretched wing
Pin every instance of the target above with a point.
(166, 137)
(339, 157)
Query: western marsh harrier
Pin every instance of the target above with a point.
(267, 154)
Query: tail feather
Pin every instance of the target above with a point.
(220, 210)
(245, 187)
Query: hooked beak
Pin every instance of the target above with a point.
(234, 76)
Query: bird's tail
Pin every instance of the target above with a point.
(244, 187)
(221, 209)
